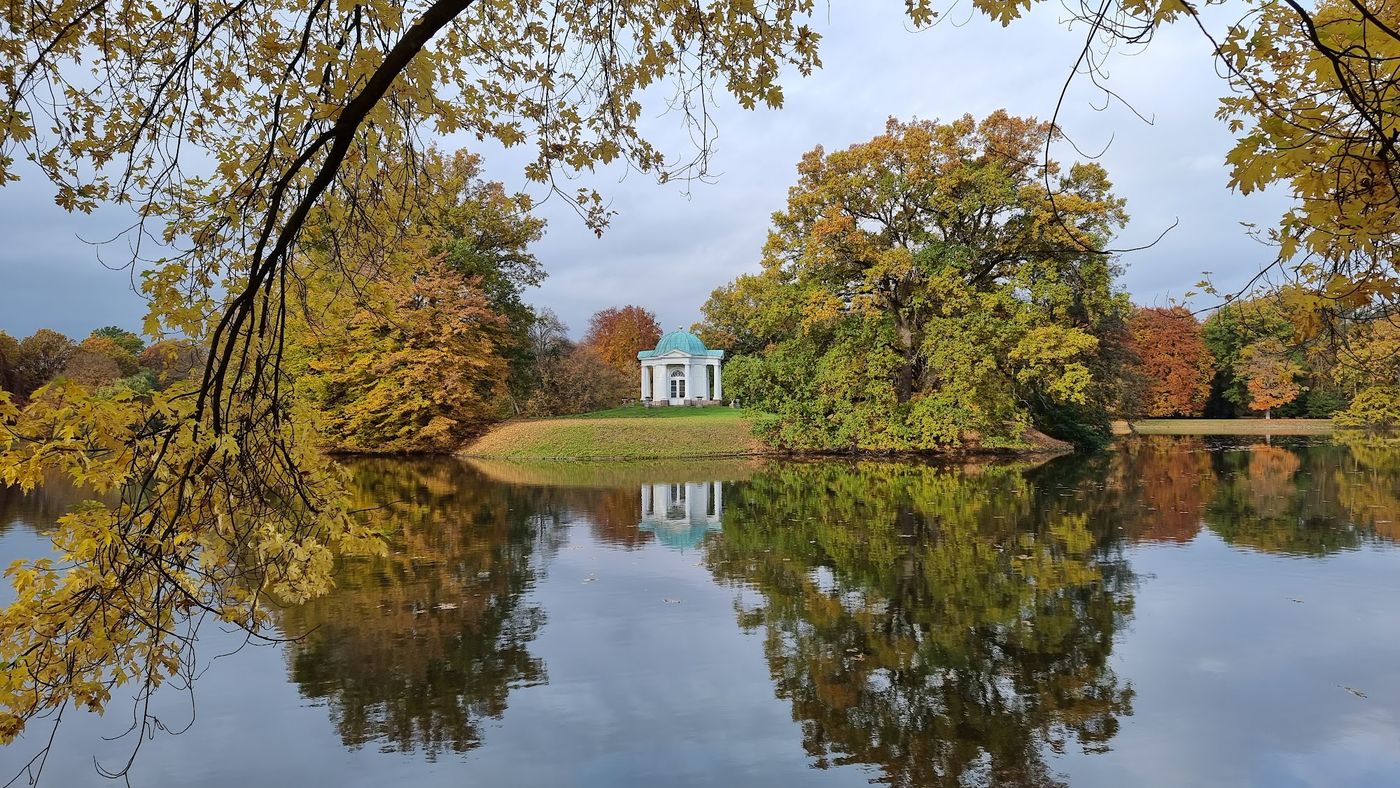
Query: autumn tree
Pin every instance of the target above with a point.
(1270, 375)
(483, 234)
(170, 360)
(1173, 359)
(744, 316)
(1318, 111)
(959, 300)
(1313, 105)
(309, 102)
(42, 356)
(413, 365)
(91, 368)
(1371, 355)
(120, 355)
(617, 334)
(1231, 328)
(127, 340)
(9, 363)
(578, 381)
(1371, 368)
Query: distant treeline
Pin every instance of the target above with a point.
(1248, 358)
(109, 357)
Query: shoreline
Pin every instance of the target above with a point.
(693, 434)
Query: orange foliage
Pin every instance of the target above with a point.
(1270, 375)
(1174, 361)
(617, 334)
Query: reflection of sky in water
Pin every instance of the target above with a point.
(1252, 616)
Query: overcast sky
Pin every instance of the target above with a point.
(666, 249)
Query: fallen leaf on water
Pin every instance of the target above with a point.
(1358, 693)
(668, 600)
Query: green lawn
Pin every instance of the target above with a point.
(1226, 427)
(623, 433)
(643, 412)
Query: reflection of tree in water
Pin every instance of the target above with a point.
(1175, 481)
(1368, 486)
(942, 625)
(417, 649)
(1284, 498)
(613, 514)
(42, 506)
(1289, 496)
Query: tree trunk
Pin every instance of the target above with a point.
(908, 350)
(1268, 413)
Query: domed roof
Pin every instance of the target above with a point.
(683, 341)
(679, 341)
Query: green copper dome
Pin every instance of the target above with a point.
(685, 342)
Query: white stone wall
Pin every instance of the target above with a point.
(698, 381)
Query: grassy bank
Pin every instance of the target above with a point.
(1225, 427)
(634, 433)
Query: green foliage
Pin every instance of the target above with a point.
(1373, 409)
(1323, 401)
(141, 384)
(129, 341)
(892, 598)
(1228, 331)
(953, 306)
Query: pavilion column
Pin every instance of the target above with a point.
(646, 373)
(689, 391)
(719, 390)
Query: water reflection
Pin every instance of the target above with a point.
(417, 649)
(40, 507)
(680, 514)
(835, 623)
(946, 625)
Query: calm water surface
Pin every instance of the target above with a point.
(1177, 612)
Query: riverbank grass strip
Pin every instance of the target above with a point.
(683, 432)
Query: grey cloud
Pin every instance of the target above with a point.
(667, 250)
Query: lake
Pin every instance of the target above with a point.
(1178, 611)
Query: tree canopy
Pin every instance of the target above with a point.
(617, 334)
(939, 293)
(1173, 361)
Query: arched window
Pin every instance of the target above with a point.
(677, 384)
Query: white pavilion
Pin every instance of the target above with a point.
(681, 371)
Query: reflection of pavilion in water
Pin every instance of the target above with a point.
(681, 514)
